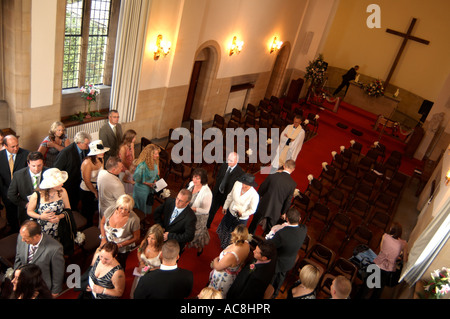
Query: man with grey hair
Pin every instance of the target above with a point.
(228, 174)
(69, 160)
(109, 186)
(111, 134)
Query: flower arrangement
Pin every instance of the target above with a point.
(315, 71)
(81, 237)
(374, 88)
(439, 285)
(89, 92)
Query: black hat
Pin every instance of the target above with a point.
(248, 179)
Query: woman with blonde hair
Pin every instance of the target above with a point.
(305, 287)
(54, 143)
(122, 226)
(228, 264)
(145, 176)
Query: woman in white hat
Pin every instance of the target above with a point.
(90, 167)
(47, 204)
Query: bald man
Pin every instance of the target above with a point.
(12, 159)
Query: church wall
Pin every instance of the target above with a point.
(422, 68)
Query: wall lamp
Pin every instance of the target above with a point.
(236, 46)
(276, 45)
(447, 178)
(161, 48)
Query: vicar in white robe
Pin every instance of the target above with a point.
(291, 141)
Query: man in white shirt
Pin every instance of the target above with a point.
(111, 134)
(109, 186)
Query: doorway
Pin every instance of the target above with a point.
(192, 89)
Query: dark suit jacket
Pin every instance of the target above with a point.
(350, 75)
(5, 174)
(165, 284)
(182, 228)
(235, 174)
(252, 284)
(69, 160)
(276, 194)
(49, 257)
(106, 134)
(21, 187)
(288, 241)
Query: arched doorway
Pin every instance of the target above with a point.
(276, 79)
(204, 70)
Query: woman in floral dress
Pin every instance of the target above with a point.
(227, 266)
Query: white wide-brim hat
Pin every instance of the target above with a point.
(53, 177)
(96, 147)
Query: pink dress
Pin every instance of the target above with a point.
(391, 249)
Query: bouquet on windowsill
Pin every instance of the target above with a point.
(374, 88)
(89, 92)
(439, 285)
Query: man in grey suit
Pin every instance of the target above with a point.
(111, 134)
(42, 250)
(24, 182)
(15, 157)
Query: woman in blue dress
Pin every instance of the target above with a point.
(145, 176)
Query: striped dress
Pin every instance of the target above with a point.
(104, 281)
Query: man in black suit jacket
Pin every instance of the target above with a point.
(24, 182)
(169, 281)
(69, 160)
(253, 279)
(346, 78)
(48, 255)
(19, 155)
(177, 218)
(288, 241)
(224, 185)
(111, 134)
(275, 195)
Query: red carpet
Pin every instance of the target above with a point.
(314, 152)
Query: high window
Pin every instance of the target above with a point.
(87, 46)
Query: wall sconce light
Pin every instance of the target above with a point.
(161, 48)
(447, 178)
(276, 45)
(236, 46)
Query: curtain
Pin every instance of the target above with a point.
(129, 54)
(427, 246)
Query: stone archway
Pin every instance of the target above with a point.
(208, 55)
(279, 68)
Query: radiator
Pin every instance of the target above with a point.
(91, 128)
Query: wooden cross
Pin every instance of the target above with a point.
(406, 36)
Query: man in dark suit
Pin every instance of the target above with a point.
(24, 182)
(253, 279)
(177, 218)
(275, 194)
(41, 249)
(69, 160)
(111, 134)
(169, 281)
(346, 78)
(12, 159)
(228, 174)
(288, 241)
